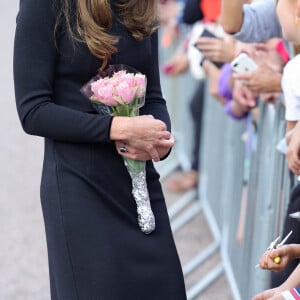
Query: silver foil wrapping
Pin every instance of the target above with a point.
(146, 219)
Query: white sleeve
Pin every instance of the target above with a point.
(287, 295)
(291, 89)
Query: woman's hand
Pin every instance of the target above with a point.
(138, 154)
(144, 137)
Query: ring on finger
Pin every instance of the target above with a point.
(123, 148)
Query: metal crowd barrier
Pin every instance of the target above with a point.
(244, 184)
(253, 182)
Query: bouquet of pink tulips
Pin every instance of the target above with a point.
(120, 91)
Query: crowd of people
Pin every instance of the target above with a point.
(245, 59)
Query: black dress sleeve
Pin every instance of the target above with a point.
(35, 59)
(192, 12)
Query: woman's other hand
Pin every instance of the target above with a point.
(138, 154)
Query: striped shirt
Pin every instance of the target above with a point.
(292, 294)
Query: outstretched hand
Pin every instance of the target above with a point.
(262, 80)
(217, 49)
(267, 260)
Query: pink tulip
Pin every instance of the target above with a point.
(119, 74)
(103, 92)
(140, 82)
(128, 78)
(125, 92)
(122, 88)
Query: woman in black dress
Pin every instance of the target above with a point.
(96, 250)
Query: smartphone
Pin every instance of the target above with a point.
(207, 33)
(243, 63)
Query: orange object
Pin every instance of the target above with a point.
(166, 40)
(211, 9)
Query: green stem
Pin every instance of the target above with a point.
(134, 166)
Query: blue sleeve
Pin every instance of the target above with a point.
(260, 22)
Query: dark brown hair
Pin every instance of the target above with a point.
(90, 21)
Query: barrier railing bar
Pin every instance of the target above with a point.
(186, 216)
(165, 169)
(199, 287)
(182, 202)
(230, 275)
(200, 258)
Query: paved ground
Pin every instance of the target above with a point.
(191, 240)
(23, 262)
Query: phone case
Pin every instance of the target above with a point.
(243, 63)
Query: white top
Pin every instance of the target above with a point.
(291, 89)
(287, 295)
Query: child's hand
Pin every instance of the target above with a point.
(177, 65)
(268, 259)
(271, 294)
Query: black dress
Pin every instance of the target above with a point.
(95, 247)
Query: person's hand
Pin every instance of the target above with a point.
(217, 49)
(285, 253)
(269, 97)
(138, 154)
(243, 95)
(271, 294)
(293, 151)
(252, 49)
(177, 65)
(142, 134)
(261, 80)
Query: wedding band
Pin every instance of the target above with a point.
(123, 149)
